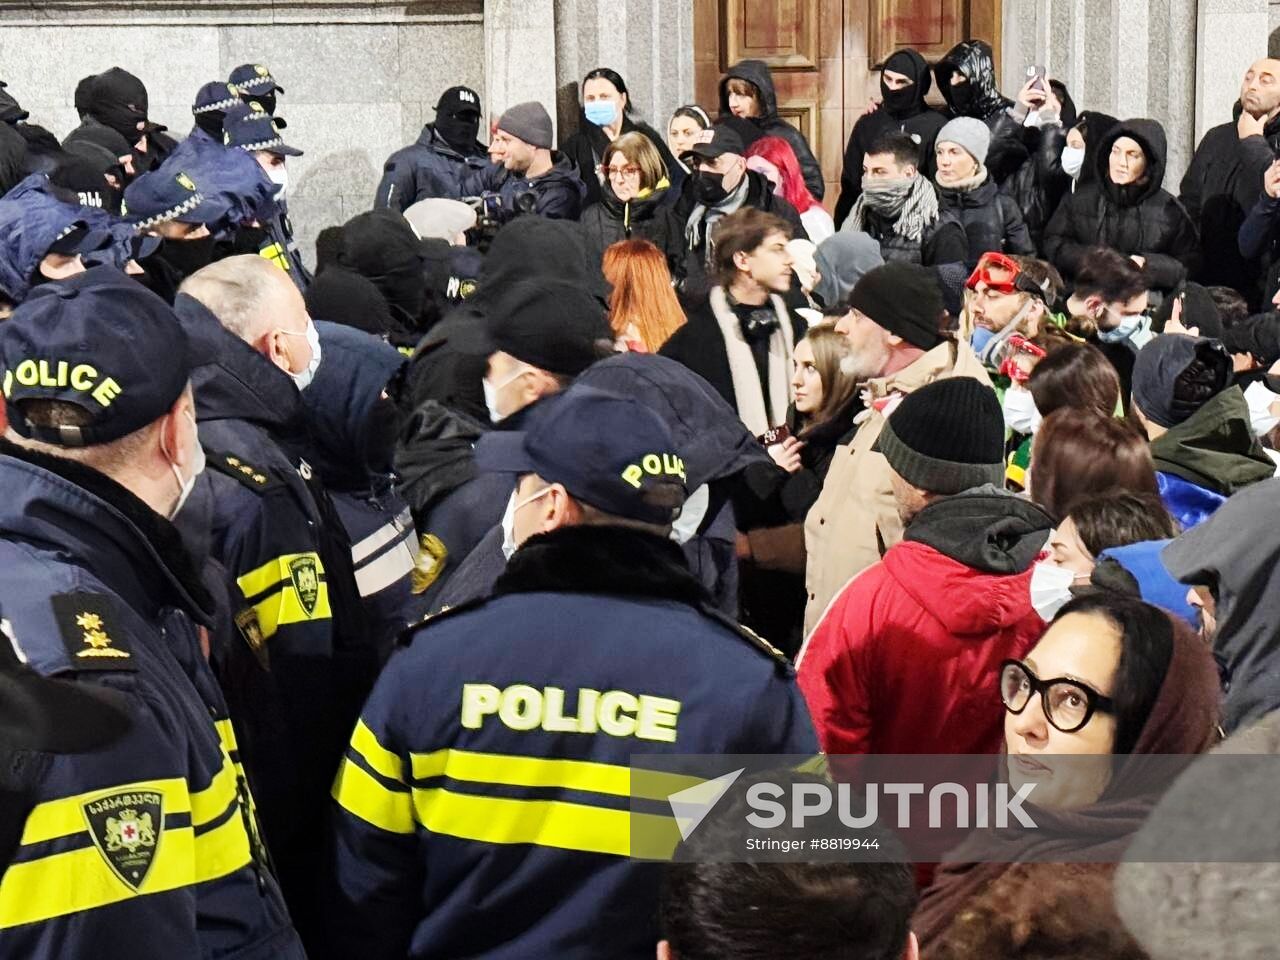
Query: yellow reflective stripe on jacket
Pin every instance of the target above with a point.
(362, 795)
(276, 254)
(211, 802)
(274, 596)
(545, 823)
(78, 880)
(64, 817)
(519, 771)
(379, 758)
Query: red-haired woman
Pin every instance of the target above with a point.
(773, 157)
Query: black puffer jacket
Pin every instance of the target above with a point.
(991, 220)
(944, 240)
(1140, 219)
(586, 149)
(1223, 182)
(756, 72)
(651, 218)
(1038, 186)
(982, 100)
(915, 118)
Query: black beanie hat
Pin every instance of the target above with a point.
(1175, 375)
(946, 437)
(903, 298)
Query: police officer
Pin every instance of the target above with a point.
(480, 811)
(169, 204)
(250, 128)
(294, 671)
(212, 102)
(150, 847)
(253, 83)
(445, 151)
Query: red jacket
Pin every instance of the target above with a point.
(905, 660)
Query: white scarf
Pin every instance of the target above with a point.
(742, 365)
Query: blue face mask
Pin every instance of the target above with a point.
(601, 112)
(1129, 324)
(979, 339)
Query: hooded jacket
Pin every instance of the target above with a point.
(855, 519)
(558, 194)
(1137, 219)
(1234, 553)
(610, 220)
(381, 246)
(991, 220)
(353, 432)
(424, 868)
(915, 118)
(1038, 185)
(586, 149)
(428, 168)
(1208, 457)
(974, 59)
(1222, 183)
(31, 220)
(906, 658)
(756, 73)
(842, 260)
(96, 587)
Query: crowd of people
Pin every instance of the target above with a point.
(336, 602)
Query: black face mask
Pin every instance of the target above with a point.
(898, 101)
(121, 118)
(459, 131)
(708, 188)
(266, 100)
(158, 277)
(185, 257)
(211, 123)
(961, 97)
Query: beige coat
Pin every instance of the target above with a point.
(855, 520)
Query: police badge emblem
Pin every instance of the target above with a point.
(306, 582)
(126, 828)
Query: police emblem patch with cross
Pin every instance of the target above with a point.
(306, 582)
(126, 828)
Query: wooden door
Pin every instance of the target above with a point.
(823, 55)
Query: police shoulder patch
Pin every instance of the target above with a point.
(259, 479)
(407, 635)
(92, 631)
(126, 826)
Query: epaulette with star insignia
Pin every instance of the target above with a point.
(258, 479)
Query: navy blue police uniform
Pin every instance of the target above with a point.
(482, 808)
(150, 846)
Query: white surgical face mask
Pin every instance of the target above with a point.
(1128, 328)
(691, 515)
(1050, 589)
(303, 379)
(491, 393)
(280, 177)
(509, 545)
(1072, 160)
(198, 459)
(1020, 413)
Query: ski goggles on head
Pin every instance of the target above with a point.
(1000, 262)
(1018, 356)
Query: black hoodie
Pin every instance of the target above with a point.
(913, 116)
(756, 73)
(980, 98)
(1139, 219)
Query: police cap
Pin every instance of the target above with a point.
(607, 451)
(168, 194)
(253, 78)
(100, 341)
(251, 128)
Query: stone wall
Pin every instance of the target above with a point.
(360, 77)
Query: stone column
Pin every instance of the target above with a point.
(520, 54)
(1230, 35)
(648, 42)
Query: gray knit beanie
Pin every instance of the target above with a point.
(973, 135)
(529, 122)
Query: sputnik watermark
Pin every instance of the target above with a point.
(811, 801)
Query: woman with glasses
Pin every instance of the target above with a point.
(633, 204)
(1112, 677)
